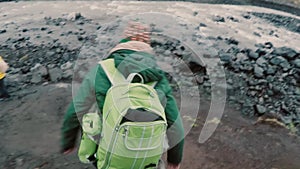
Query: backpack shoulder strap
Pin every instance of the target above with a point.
(152, 83)
(114, 76)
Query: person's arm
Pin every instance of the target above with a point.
(175, 131)
(80, 104)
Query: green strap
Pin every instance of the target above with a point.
(114, 76)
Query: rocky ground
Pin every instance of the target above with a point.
(249, 52)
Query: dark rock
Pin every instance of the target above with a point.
(66, 66)
(270, 92)
(25, 30)
(232, 19)
(98, 27)
(167, 53)
(253, 55)
(278, 60)
(270, 70)
(296, 63)
(285, 66)
(43, 28)
(66, 57)
(67, 74)
(246, 16)
(202, 25)
(232, 41)
(277, 90)
(261, 52)
(2, 31)
(284, 107)
(49, 54)
(36, 78)
(268, 45)
(81, 23)
(20, 39)
(80, 38)
(226, 58)
(55, 74)
(218, 19)
(260, 109)
(261, 61)
(199, 79)
(256, 34)
(78, 16)
(285, 52)
(258, 71)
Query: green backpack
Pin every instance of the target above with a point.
(133, 123)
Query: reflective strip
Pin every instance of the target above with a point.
(132, 167)
(148, 146)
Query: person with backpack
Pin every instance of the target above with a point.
(137, 110)
(3, 68)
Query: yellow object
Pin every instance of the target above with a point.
(2, 75)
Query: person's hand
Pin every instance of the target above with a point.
(173, 166)
(68, 151)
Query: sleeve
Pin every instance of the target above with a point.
(175, 131)
(80, 104)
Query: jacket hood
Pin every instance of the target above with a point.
(128, 61)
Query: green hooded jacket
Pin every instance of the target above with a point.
(96, 84)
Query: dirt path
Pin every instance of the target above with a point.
(32, 133)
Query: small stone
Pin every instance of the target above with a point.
(67, 74)
(258, 71)
(278, 60)
(39, 69)
(36, 78)
(44, 28)
(218, 19)
(261, 52)
(256, 34)
(260, 109)
(25, 30)
(253, 55)
(19, 162)
(199, 79)
(270, 70)
(49, 54)
(226, 58)
(232, 19)
(285, 52)
(66, 66)
(296, 62)
(232, 41)
(298, 110)
(202, 25)
(246, 16)
(261, 61)
(268, 45)
(2, 31)
(78, 16)
(81, 23)
(80, 38)
(167, 53)
(66, 57)
(55, 74)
